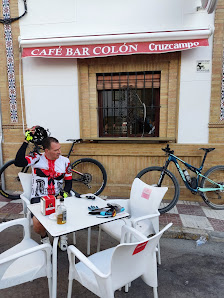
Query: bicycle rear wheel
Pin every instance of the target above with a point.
(88, 176)
(214, 199)
(13, 188)
(151, 176)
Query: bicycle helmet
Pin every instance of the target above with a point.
(39, 134)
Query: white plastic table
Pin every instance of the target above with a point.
(77, 219)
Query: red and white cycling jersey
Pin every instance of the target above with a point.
(48, 175)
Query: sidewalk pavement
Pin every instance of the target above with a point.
(190, 219)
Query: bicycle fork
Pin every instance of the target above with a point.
(163, 172)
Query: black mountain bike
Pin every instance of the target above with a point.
(88, 175)
(209, 186)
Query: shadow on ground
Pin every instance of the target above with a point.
(186, 270)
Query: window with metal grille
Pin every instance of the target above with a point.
(129, 104)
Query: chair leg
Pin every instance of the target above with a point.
(74, 238)
(126, 288)
(88, 241)
(158, 255)
(70, 288)
(98, 242)
(155, 293)
(50, 287)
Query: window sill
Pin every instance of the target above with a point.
(152, 140)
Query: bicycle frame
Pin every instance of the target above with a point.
(173, 158)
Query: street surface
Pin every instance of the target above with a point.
(186, 270)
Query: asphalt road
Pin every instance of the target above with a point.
(186, 270)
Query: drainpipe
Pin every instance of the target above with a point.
(1, 140)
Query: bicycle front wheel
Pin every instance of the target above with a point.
(214, 199)
(88, 176)
(12, 188)
(152, 175)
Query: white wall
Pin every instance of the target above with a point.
(51, 95)
(55, 18)
(49, 81)
(195, 92)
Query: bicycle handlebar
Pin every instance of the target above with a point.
(167, 149)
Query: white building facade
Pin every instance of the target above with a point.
(55, 35)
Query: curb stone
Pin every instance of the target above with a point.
(193, 234)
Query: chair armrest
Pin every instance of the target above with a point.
(73, 250)
(127, 229)
(6, 262)
(24, 199)
(21, 221)
(150, 216)
(45, 247)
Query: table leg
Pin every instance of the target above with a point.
(88, 241)
(54, 269)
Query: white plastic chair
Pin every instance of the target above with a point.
(143, 209)
(26, 182)
(106, 271)
(25, 261)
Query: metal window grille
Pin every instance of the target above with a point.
(129, 104)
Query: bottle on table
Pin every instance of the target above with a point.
(61, 213)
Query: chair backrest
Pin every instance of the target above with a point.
(131, 260)
(145, 199)
(26, 181)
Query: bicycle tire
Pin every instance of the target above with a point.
(95, 176)
(13, 187)
(214, 199)
(172, 195)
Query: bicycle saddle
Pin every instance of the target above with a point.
(207, 149)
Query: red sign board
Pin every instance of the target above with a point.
(113, 49)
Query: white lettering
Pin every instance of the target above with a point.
(85, 51)
(123, 48)
(133, 47)
(112, 50)
(51, 51)
(34, 52)
(58, 52)
(77, 52)
(43, 53)
(151, 46)
(104, 50)
(95, 52)
(183, 45)
(69, 52)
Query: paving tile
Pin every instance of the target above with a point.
(12, 208)
(211, 213)
(217, 224)
(172, 211)
(167, 218)
(3, 199)
(188, 203)
(197, 222)
(2, 204)
(16, 201)
(190, 209)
